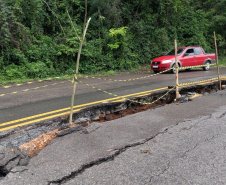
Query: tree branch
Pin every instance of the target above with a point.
(85, 15)
(73, 25)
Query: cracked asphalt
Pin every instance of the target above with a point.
(176, 144)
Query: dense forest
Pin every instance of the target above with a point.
(36, 42)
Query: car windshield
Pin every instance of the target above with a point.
(172, 52)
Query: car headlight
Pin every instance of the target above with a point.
(166, 61)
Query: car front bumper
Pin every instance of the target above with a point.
(160, 67)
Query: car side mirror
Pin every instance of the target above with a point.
(186, 54)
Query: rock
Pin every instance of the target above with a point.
(108, 112)
(95, 118)
(81, 120)
(191, 93)
(108, 118)
(120, 107)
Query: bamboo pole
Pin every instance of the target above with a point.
(76, 73)
(176, 74)
(218, 70)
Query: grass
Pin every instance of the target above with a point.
(222, 61)
(63, 77)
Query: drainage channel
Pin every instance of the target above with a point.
(22, 143)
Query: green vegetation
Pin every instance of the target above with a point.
(122, 34)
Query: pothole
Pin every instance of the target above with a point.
(33, 138)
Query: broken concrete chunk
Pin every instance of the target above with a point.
(108, 112)
(64, 126)
(191, 93)
(120, 107)
(10, 158)
(70, 130)
(95, 118)
(81, 120)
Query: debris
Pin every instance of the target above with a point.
(109, 150)
(146, 151)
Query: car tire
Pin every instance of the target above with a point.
(174, 70)
(206, 68)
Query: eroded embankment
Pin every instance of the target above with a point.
(31, 139)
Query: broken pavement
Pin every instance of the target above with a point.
(114, 148)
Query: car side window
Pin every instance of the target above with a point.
(198, 51)
(190, 52)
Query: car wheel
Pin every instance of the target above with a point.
(174, 69)
(206, 68)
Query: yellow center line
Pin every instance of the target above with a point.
(37, 120)
(80, 106)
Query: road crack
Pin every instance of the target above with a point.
(115, 153)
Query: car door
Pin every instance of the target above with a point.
(200, 58)
(188, 58)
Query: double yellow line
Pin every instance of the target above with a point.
(60, 112)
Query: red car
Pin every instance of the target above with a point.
(187, 56)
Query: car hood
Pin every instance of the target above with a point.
(169, 57)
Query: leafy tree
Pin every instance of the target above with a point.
(122, 34)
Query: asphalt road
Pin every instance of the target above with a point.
(175, 144)
(57, 94)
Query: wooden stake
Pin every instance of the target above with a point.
(176, 65)
(76, 73)
(218, 70)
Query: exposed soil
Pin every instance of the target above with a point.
(33, 147)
